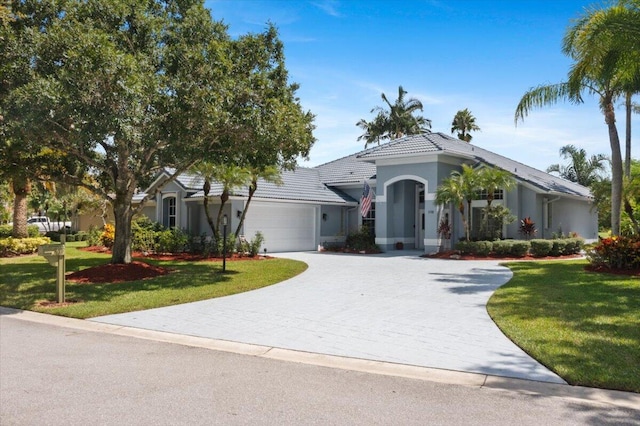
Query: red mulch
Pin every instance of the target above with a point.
(591, 268)
(138, 269)
(117, 273)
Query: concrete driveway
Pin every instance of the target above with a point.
(395, 307)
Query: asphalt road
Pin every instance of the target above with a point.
(53, 375)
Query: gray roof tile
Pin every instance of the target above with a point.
(302, 184)
(346, 170)
(439, 143)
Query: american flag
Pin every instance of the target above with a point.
(365, 201)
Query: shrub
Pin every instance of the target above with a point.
(172, 241)
(93, 236)
(541, 248)
(70, 238)
(362, 240)
(5, 231)
(16, 246)
(574, 245)
(558, 247)
(255, 244)
(33, 231)
(108, 235)
(464, 247)
(482, 248)
(502, 247)
(520, 248)
(616, 253)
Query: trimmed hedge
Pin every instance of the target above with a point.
(16, 246)
(541, 248)
(521, 248)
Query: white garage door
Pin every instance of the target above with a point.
(286, 227)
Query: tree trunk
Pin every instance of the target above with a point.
(627, 145)
(123, 213)
(21, 189)
(252, 190)
(616, 167)
(121, 252)
(206, 188)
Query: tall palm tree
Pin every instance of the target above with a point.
(394, 121)
(580, 169)
(601, 68)
(463, 123)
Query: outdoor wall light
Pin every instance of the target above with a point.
(238, 214)
(324, 217)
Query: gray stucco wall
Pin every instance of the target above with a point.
(570, 215)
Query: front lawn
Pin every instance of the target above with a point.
(585, 326)
(27, 281)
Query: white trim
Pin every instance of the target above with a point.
(383, 198)
(404, 240)
(396, 161)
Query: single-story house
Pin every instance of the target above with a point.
(320, 205)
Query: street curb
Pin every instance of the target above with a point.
(583, 394)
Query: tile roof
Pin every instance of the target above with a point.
(301, 184)
(439, 143)
(346, 170)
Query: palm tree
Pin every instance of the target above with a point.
(458, 188)
(492, 180)
(463, 123)
(450, 192)
(230, 176)
(580, 169)
(396, 121)
(268, 174)
(601, 68)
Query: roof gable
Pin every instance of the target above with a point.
(439, 143)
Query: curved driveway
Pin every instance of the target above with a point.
(394, 307)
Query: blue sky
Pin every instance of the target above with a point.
(449, 54)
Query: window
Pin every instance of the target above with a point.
(169, 212)
(370, 220)
(498, 194)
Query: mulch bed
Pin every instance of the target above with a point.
(140, 270)
(452, 254)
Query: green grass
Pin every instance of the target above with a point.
(26, 281)
(584, 326)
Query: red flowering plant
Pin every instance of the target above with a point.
(616, 253)
(444, 229)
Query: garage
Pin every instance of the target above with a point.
(286, 227)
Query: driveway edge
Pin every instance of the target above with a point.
(621, 399)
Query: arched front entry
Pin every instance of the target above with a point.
(406, 215)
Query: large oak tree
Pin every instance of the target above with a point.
(129, 87)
